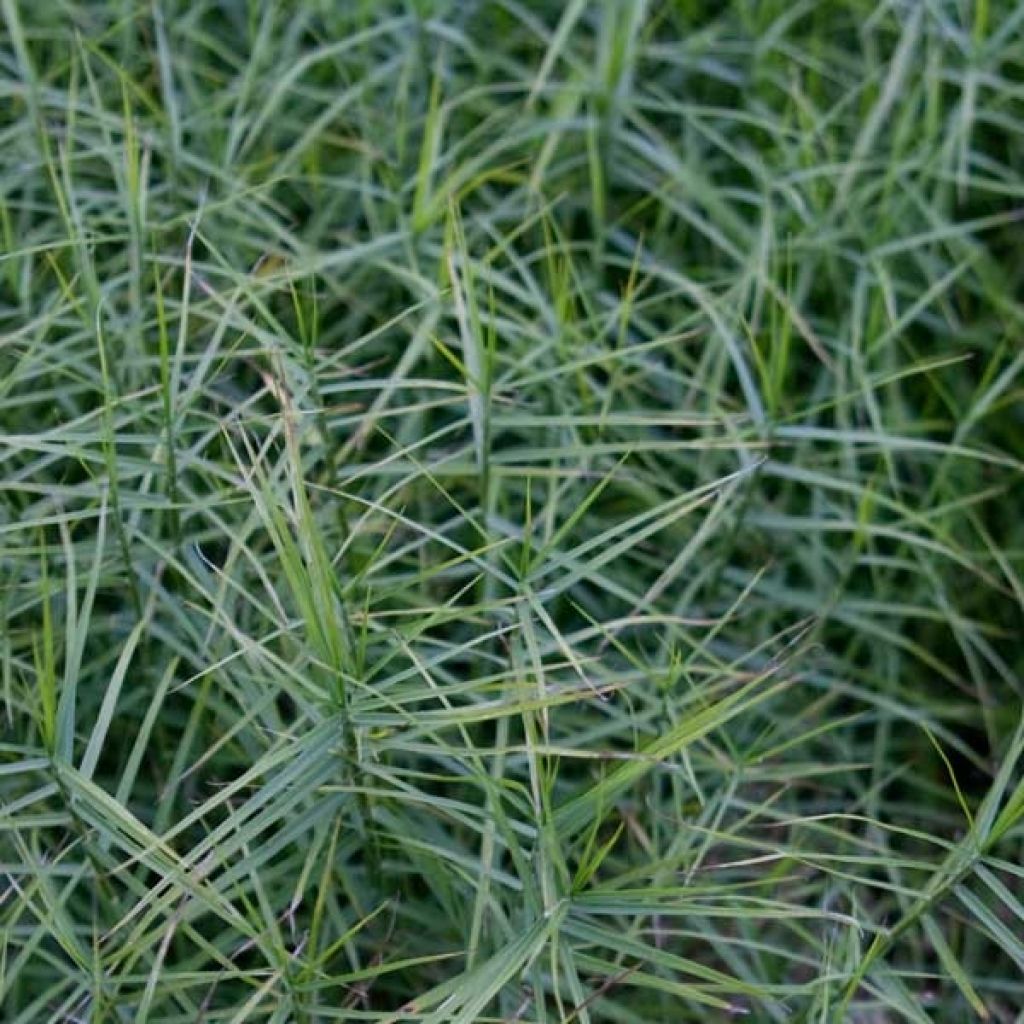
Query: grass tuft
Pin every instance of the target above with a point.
(510, 512)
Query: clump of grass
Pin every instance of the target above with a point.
(509, 511)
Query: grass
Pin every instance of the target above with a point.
(511, 511)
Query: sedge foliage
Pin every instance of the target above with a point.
(511, 511)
